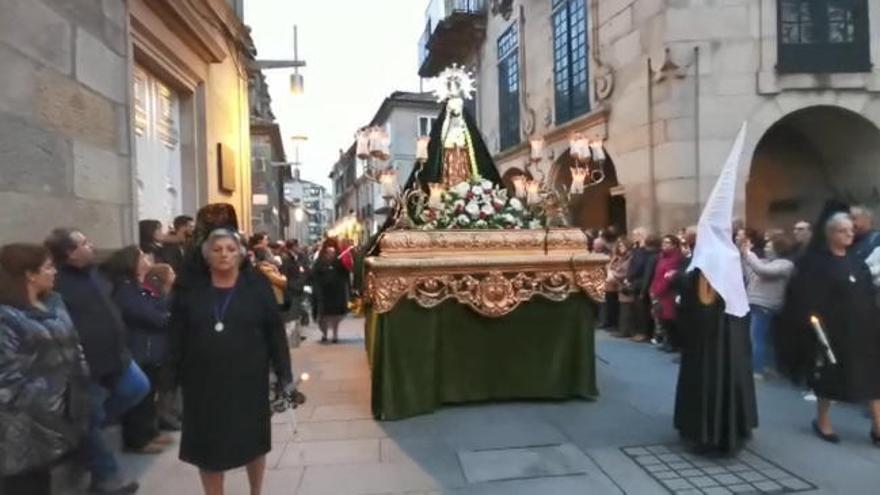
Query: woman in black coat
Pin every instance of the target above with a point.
(836, 288)
(44, 405)
(331, 283)
(226, 336)
(145, 314)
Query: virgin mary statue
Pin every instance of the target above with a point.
(456, 151)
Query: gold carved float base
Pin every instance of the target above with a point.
(493, 272)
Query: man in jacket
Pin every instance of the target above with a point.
(867, 237)
(174, 245)
(116, 383)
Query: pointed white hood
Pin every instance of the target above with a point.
(715, 253)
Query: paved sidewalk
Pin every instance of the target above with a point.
(621, 443)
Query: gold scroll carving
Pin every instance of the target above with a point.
(491, 272)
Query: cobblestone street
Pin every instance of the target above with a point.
(622, 443)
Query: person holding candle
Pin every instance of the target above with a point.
(226, 333)
(832, 290)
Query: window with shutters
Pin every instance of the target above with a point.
(570, 60)
(508, 88)
(823, 36)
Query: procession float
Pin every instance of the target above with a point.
(475, 290)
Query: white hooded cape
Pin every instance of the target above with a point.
(715, 253)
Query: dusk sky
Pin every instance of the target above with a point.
(357, 52)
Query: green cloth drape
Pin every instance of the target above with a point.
(423, 358)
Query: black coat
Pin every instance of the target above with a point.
(172, 253)
(225, 375)
(715, 405)
(839, 292)
(146, 317)
(330, 281)
(96, 319)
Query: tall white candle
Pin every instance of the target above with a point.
(435, 200)
(422, 148)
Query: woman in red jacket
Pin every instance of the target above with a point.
(663, 291)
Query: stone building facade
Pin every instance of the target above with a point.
(669, 83)
(269, 171)
(113, 111)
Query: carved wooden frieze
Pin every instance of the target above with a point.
(492, 272)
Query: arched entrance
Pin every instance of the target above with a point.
(805, 158)
(599, 206)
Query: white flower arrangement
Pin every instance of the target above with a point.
(478, 204)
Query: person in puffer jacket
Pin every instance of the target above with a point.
(44, 403)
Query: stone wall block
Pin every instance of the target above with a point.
(768, 113)
(610, 8)
(100, 68)
(734, 57)
(645, 9)
(38, 31)
(102, 222)
(17, 94)
(99, 174)
(618, 26)
(853, 101)
(66, 105)
(681, 129)
(33, 160)
(627, 49)
(114, 37)
(115, 12)
(736, 84)
(674, 159)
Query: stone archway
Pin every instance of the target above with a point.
(808, 156)
(598, 207)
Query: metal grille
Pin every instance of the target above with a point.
(571, 69)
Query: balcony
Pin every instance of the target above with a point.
(453, 30)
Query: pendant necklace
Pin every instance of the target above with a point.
(220, 310)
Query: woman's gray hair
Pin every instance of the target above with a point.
(835, 221)
(218, 234)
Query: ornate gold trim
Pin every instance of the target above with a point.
(433, 243)
(493, 286)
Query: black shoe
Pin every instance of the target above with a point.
(323, 338)
(335, 340)
(875, 438)
(828, 437)
(114, 487)
(169, 424)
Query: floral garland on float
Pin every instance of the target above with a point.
(476, 204)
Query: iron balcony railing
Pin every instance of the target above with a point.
(438, 11)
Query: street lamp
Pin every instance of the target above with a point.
(296, 79)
